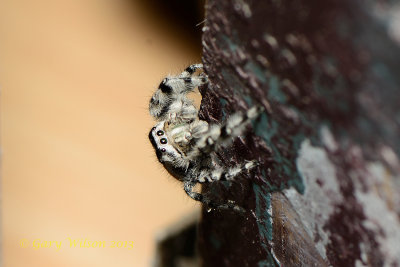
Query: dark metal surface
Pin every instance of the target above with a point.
(328, 188)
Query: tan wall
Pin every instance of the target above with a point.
(75, 80)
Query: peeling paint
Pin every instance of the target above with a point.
(380, 218)
(321, 192)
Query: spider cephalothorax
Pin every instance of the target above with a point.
(184, 144)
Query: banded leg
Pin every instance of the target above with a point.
(191, 69)
(188, 187)
(193, 81)
(170, 97)
(225, 174)
(223, 135)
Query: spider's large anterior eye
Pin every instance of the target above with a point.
(163, 141)
(159, 133)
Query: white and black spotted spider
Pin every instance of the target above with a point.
(184, 144)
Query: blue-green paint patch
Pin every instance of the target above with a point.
(258, 71)
(263, 204)
(248, 100)
(275, 92)
(234, 82)
(283, 165)
(263, 173)
(269, 262)
(229, 43)
(263, 124)
(223, 104)
(272, 188)
(263, 263)
(264, 222)
(297, 182)
(226, 184)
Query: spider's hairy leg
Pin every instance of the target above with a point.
(221, 135)
(190, 80)
(186, 81)
(225, 173)
(232, 172)
(188, 187)
(191, 69)
(170, 100)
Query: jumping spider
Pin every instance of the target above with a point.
(184, 144)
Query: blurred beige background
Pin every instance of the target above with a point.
(75, 80)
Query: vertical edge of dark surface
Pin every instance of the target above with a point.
(327, 190)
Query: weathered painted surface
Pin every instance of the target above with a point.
(327, 192)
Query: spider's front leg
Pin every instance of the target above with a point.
(170, 99)
(212, 174)
(191, 69)
(188, 187)
(230, 205)
(225, 173)
(222, 135)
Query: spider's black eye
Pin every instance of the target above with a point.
(152, 129)
(163, 150)
(159, 133)
(163, 141)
